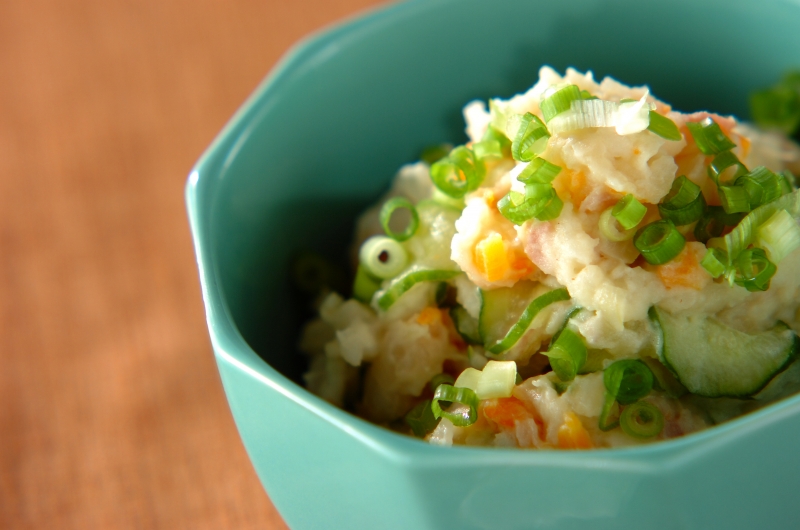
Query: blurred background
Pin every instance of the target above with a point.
(112, 414)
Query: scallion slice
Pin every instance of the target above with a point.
(559, 101)
(734, 199)
(664, 127)
(684, 204)
(659, 242)
(521, 326)
(409, 280)
(540, 201)
(628, 380)
(745, 232)
(754, 270)
(391, 206)
(628, 212)
(722, 162)
(609, 414)
(365, 285)
(641, 420)
(497, 135)
(531, 138)
(434, 153)
(778, 236)
(709, 137)
(539, 171)
(713, 223)
(762, 186)
(382, 257)
(452, 394)
(567, 354)
(715, 262)
(487, 149)
(421, 419)
(610, 229)
(459, 173)
(778, 106)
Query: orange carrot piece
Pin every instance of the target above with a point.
(572, 434)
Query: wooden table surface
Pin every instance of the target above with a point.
(112, 413)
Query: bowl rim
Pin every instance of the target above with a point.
(231, 348)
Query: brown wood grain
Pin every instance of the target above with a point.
(112, 414)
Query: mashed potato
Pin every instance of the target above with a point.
(553, 268)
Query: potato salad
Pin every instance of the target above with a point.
(591, 269)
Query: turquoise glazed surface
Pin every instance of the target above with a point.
(321, 138)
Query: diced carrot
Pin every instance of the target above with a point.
(520, 263)
(572, 434)
(684, 270)
(505, 412)
(491, 258)
(429, 315)
(745, 142)
(490, 199)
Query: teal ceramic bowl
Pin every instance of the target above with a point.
(321, 138)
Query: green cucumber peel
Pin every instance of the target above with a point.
(530, 312)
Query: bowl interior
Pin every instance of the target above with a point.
(323, 136)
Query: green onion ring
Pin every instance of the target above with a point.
(754, 270)
(567, 354)
(659, 242)
(531, 138)
(684, 204)
(465, 396)
(391, 206)
(421, 419)
(641, 420)
(382, 257)
(664, 127)
(409, 280)
(709, 137)
(628, 212)
(628, 380)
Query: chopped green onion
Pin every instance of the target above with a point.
(659, 242)
(641, 420)
(540, 201)
(754, 270)
(459, 173)
(497, 380)
(745, 232)
(788, 182)
(629, 212)
(409, 280)
(778, 107)
(559, 101)
(709, 137)
(664, 127)
(539, 171)
(421, 419)
(487, 149)
(628, 380)
(391, 206)
(442, 291)
(531, 138)
(779, 236)
(762, 186)
(609, 414)
(713, 223)
(715, 262)
(723, 161)
(434, 153)
(469, 378)
(734, 199)
(497, 135)
(609, 227)
(551, 208)
(585, 94)
(533, 309)
(567, 354)
(684, 204)
(440, 379)
(382, 257)
(452, 394)
(365, 285)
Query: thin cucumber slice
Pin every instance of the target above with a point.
(466, 325)
(507, 312)
(402, 284)
(713, 360)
